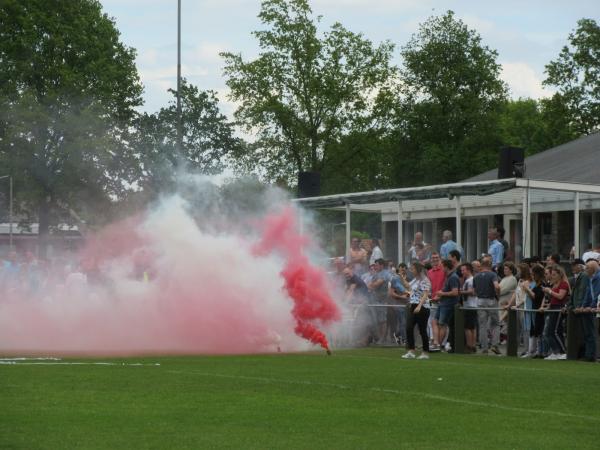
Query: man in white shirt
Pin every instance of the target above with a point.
(376, 252)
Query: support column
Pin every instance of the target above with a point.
(348, 229)
(525, 223)
(459, 225)
(400, 233)
(576, 225)
(594, 226)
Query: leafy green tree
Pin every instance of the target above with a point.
(535, 125)
(208, 139)
(451, 95)
(306, 90)
(68, 89)
(576, 75)
(522, 124)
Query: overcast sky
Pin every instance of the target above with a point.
(526, 34)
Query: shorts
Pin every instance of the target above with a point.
(444, 314)
(470, 320)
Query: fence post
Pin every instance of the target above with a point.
(409, 314)
(574, 335)
(512, 344)
(459, 329)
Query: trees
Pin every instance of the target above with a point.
(68, 89)
(305, 90)
(451, 94)
(576, 75)
(207, 139)
(535, 125)
(522, 124)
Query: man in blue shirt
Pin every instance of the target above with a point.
(589, 305)
(496, 249)
(448, 244)
(378, 287)
(447, 298)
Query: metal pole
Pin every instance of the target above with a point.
(576, 225)
(400, 234)
(10, 214)
(179, 122)
(526, 225)
(348, 228)
(459, 225)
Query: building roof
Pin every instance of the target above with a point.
(577, 161)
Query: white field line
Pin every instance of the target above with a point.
(22, 358)
(73, 363)
(394, 391)
(456, 363)
(486, 404)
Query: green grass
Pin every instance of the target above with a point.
(368, 398)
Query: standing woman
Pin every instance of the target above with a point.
(559, 295)
(523, 298)
(420, 288)
(535, 292)
(508, 285)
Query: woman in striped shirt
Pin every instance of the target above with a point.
(420, 288)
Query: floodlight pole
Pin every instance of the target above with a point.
(179, 137)
(10, 213)
(10, 209)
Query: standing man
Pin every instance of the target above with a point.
(470, 301)
(496, 249)
(486, 287)
(580, 284)
(420, 250)
(588, 307)
(437, 277)
(379, 292)
(447, 298)
(358, 257)
(376, 252)
(448, 244)
(501, 233)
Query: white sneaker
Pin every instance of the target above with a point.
(423, 356)
(562, 356)
(409, 355)
(447, 347)
(526, 355)
(552, 357)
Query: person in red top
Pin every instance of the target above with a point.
(437, 277)
(558, 294)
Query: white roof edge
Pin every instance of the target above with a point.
(558, 186)
(407, 189)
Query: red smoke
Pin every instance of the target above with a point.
(304, 283)
(157, 283)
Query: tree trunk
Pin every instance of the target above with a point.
(44, 228)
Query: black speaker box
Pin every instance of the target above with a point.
(309, 184)
(511, 163)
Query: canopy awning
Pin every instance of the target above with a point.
(411, 193)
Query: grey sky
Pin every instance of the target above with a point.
(526, 34)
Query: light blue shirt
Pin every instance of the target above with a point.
(447, 247)
(496, 251)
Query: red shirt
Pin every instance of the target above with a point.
(437, 277)
(563, 285)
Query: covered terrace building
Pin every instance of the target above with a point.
(554, 208)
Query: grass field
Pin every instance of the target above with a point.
(367, 398)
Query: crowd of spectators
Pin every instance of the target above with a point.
(23, 276)
(389, 302)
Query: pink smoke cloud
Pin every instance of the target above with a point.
(164, 286)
